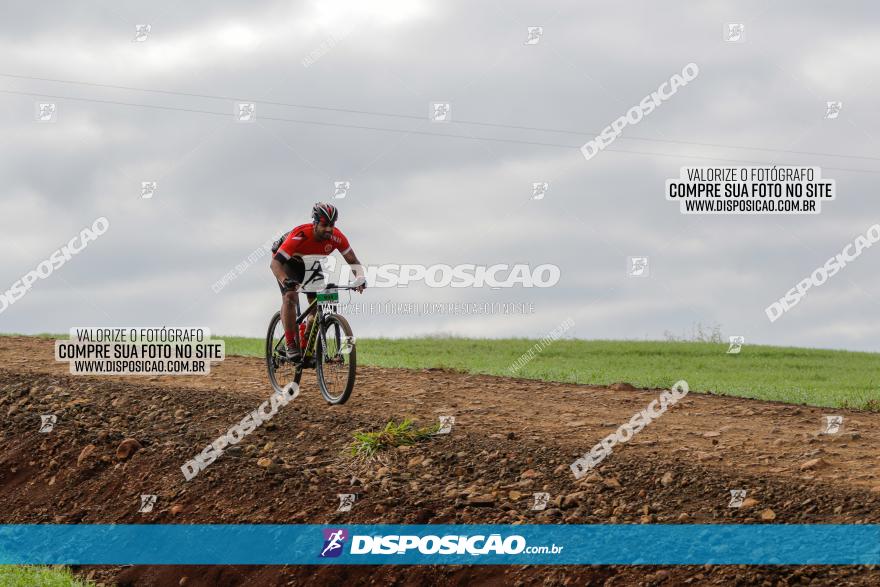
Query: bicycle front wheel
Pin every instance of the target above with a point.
(336, 359)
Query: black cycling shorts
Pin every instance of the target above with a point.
(295, 269)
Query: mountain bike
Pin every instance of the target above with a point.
(330, 348)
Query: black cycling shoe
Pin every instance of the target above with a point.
(293, 355)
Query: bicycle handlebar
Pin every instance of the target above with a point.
(334, 286)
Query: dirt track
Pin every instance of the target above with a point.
(511, 438)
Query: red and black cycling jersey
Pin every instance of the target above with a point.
(301, 241)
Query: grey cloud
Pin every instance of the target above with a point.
(225, 187)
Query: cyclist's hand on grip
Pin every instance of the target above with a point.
(360, 284)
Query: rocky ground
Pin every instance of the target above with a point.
(117, 438)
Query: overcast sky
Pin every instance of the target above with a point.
(225, 187)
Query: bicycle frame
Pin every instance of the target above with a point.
(310, 333)
(316, 308)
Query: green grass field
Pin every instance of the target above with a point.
(28, 576)
(787, 374)
(792, 375)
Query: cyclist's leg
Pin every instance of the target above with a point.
(289, 312)
(295, 270)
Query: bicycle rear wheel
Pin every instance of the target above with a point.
(336, 359)
(281, 371)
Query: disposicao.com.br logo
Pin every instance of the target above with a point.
(451, 544)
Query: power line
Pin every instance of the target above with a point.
(294, 120)
(395, 130)
(422, 118)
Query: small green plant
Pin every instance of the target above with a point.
(368, 444)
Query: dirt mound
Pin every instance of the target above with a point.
(511, 438)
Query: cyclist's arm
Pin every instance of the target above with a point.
(351, 259)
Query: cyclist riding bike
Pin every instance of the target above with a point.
(321, 237)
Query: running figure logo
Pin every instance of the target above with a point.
(141, 32)
(46, 112)
(539, 189)
(340, 189)
(736, 344)
(333, 542)
(446, 424)
(246, 112)
(734, 32)
(147, 503)
(832, 109)
(737, 497)
(832, 424)
(535, 34)
(47, 422)
(148, 188)
(541, 500)
(346, 501)
(440, 112)
(314, 277)
(637, 266)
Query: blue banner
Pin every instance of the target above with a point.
(595, 544)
